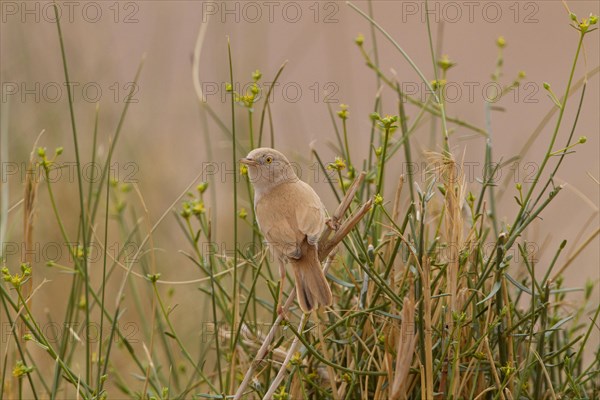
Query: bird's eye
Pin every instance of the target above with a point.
(269, 160)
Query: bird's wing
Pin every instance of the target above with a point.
(311, 216)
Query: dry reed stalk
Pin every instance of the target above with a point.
(509, 326)
(330, 372)
(425, 278)
(281, 373)
(488, 353)
(29, 197)
(405, 349)
(454, 186)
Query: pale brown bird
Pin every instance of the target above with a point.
(291, 218)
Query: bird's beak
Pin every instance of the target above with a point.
(248, 161)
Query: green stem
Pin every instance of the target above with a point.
(102, 298)
(266, 106)
(39, 335)
(346, 146)
(234, 305)
(439, 99)
(82, 214)
(20, 350)
(525, 204)
(173, 335)
(406, 144)
(382, 162)
(250, 129)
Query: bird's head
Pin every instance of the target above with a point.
(267, 168)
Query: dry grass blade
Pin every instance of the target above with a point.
(32, 179)
(405, 351)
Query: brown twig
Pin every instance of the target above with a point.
(328, 245)
(333, 223)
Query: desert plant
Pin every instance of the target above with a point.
(435, 296)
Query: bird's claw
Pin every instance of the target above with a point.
(332, 224)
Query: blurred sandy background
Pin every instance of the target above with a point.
(164, 133)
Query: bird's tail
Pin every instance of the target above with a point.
(311, 285)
